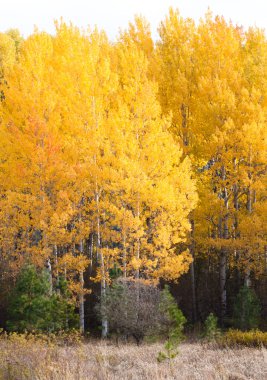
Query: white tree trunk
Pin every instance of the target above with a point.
(49, 270)
(137, 274)
(247, 280)
(81, 295)
(56, 263)
(124, 256)
(224, 234)
(81, 304)
(104, 321)
(192, 273)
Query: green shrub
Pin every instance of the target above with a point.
(33, 308)
(246, 310)
(211, 330)
(176, 327)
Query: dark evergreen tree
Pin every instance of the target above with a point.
(33, 308)
(247, 309)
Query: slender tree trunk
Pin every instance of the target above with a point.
(249, 200)
(236, 233)
(223, 266)
(81, 304)
(49, 270)
(247, 280)
(224, 234)
(81, 294)
(223, 262)
(65, 279)
(223, 271)
(104, 321)
(185, 135)
(192, 273)
(91, 250)
(137, 274)
(56, 264)
(124, 256)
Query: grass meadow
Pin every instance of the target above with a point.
(23, 358)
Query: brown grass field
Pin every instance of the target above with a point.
(22, 359)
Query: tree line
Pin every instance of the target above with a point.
(136, 159)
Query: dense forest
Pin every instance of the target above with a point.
(137, 161)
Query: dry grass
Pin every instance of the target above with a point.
(22, 359)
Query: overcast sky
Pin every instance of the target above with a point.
(111, 15)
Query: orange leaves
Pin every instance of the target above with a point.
(89, 166)
(212, 79)
(171, 267)
(72, 263)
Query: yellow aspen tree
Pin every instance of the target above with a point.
(177, 82)
(211, 64)
(33, 155)
(176, 74)
(154, 189)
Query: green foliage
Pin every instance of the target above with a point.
(253, 338)
(115, 272)
(247, 309)
(33, 308)
(211, 330)
(175, 333)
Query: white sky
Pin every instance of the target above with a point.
(111, 15)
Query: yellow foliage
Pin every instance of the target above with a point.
(253, 338)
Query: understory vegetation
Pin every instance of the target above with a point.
(29, 358)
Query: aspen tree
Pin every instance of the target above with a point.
(215, 69)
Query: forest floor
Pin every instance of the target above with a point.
(21, 359)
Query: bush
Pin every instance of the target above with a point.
(32, 308)
(176, 326)
(246, 310)
(211, 330)
(136, 309)
(254, 338)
